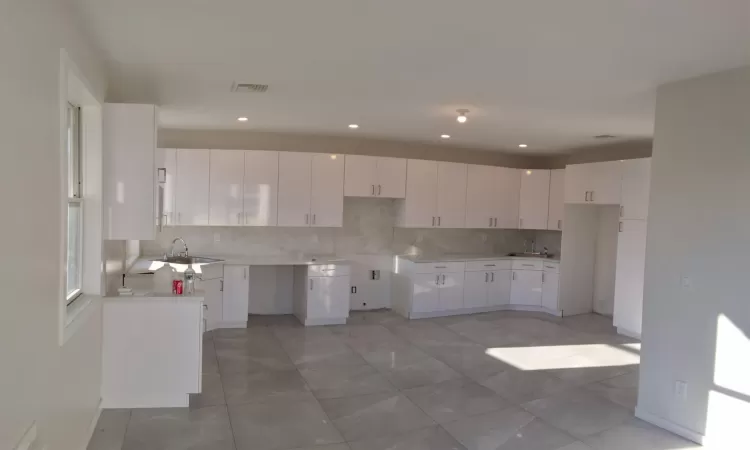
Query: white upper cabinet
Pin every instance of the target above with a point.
(556, 199)
(636, 184)
(260, 188)
(369, 176)
(227, 168)
(166, 169)
(192, 187)
(327, 191)
(420, 207)
(311, 190)
(129, 143)
(295, 173)
(391, 178)
(451, 195)
(534, 200)
(594, 183)
(492, 196)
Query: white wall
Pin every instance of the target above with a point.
(58, 387)
(698, 227)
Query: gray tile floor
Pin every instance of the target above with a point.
(506, 380)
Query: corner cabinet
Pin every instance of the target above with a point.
(129, 175)
(370, 176)
(311, 190)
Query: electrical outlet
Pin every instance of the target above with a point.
(680, 390)
(217, 237)
(354, 289)
(374, 274)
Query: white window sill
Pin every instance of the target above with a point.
(77, 314)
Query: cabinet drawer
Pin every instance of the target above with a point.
(327, 270)
(445, 267)
(527, 264)
(481, 266)
(553, 267)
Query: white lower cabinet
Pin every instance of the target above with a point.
(550, 289)
(213, 298)
(321, 294)
(498, 292)
(425, 297)
(476, 289)
(451, 291)
(236, 296)
(526, 288)
(488, 287)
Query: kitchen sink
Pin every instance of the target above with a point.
(199, 260)
(530, 255)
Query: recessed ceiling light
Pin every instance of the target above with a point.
(462, 115)
(333, 156)
(242, 119)
(522, 145)
(445, 136)
(353, 126)
(528, 172)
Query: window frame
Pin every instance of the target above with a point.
(75, 197)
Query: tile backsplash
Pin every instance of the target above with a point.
(368, 230)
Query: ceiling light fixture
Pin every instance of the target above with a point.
(445, 136)
(353, 126)
(242, 119)
(462, 115)
(522, 145)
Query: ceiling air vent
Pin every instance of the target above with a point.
(604, 136)
(249, 87)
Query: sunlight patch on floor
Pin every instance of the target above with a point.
(566, 356)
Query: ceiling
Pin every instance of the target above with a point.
(550, 74)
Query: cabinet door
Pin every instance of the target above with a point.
(260, 188)
(631, 262)
(294, 189)
(236, 294)
(191, 196)
(360, 178)
(327, 192)
(636, 184)
(451, 291)
(213, 299)
(526, 288)
(425, 297)
(420, 206)
(328, 297)
(499, 288)
(451, 195)
(482, 207)
(166, 168)
(577, 183)
(227, 169)
(391, 178)
(607, 183)
(507, 195)
(550, 288)
(475, 289)
(556, 199)
(534, 200)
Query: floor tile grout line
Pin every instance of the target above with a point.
(224, 394)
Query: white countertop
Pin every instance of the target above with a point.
(144, 288)
(469, 257)
(145, 264)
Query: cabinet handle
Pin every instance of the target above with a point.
(313, 219)
(443, 280)
(520, 223)
(373, 190)
(489, 265)
(559, 224)
(311, 284)
(514, 276)
(493, 277)
(307, 219)
(490, 222)
(592, 196)
(439, 220)
(437, 280)
(221, 285)
(586, 197)
(622, 211)
(179, 218)
(486, 277)
(495, 222)
(239, 218)
(527, 265)
(619, 227)
(441, 267)
(244, 273)
(542, 277)
(380, 188)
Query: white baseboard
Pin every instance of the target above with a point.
(170, 400)
(314, 322)
(670, 426)
(628, 333)
(228, 324)
(482, 309)
(94, 421)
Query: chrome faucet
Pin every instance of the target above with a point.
(171, 247)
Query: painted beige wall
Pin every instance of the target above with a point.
(56, 386)
(600, 153)
(697, 228)
(251, 140)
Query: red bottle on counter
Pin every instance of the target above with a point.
(177, 287)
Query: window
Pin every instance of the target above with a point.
(74, 247)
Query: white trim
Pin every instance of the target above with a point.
(670, 426)
(318, 321)
(628, 333)
(93, 423)
(229, 324)
(157, 400)
(483, 309)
